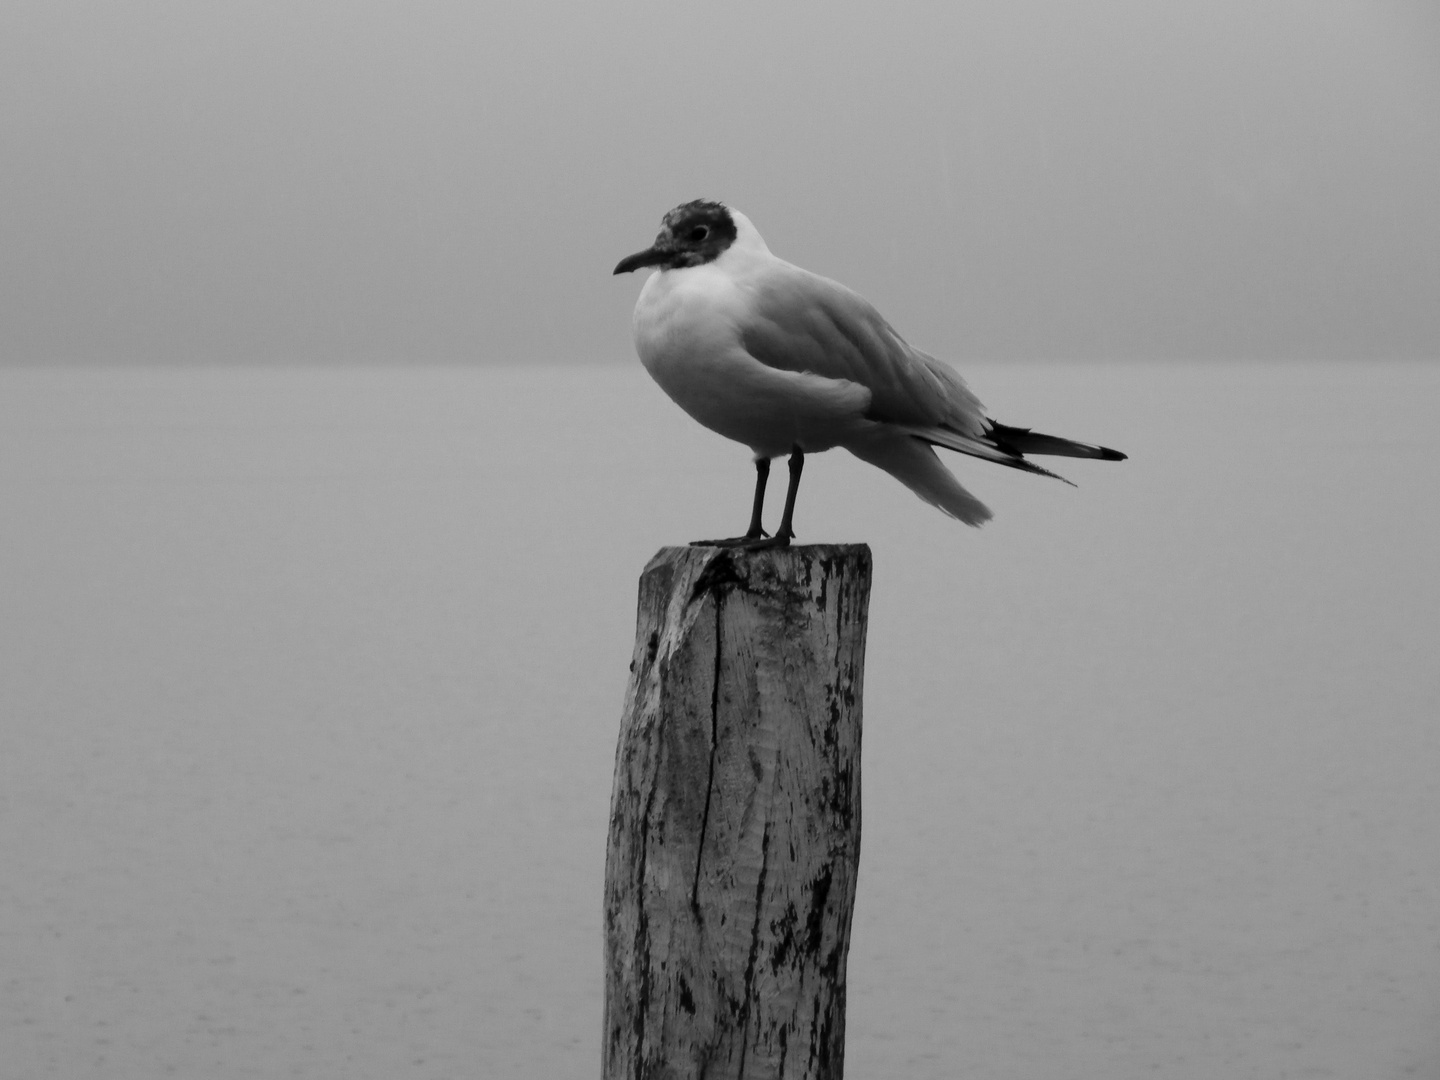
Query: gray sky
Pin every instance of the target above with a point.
(364, 181)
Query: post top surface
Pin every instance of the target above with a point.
(804, 554)
(692, 571)
(802, 551)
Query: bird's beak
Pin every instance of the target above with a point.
(649, 257)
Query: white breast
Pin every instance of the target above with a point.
(689, 334)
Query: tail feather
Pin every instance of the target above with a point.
(1019, 440)
(914, 464)
(907, 453)
(985, 449)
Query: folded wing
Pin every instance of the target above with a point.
(800, 321)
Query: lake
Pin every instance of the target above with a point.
(310, 681)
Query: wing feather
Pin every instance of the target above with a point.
(806, 323)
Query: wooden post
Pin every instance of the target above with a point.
(735, 816)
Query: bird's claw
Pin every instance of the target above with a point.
(746, 543)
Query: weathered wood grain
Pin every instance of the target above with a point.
(735, 816)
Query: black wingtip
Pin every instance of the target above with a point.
(1106, 454)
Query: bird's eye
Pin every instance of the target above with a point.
(699, 232)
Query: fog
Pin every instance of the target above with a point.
(376, 182)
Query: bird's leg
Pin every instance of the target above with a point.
(786, 532)
(762, 474)
(755, 539)
(756, 534)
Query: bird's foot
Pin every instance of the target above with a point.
(746, 543)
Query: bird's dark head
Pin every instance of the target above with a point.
(692, 234)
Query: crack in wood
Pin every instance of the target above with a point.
(749, 998)
(714, 747)
(642, 937)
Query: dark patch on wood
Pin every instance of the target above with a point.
(783, 931)
(841, 801)
(719, 575)
(815, 921)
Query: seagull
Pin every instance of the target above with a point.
(789, 362)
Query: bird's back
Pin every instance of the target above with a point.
(801, 321)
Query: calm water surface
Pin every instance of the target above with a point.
(309, 685)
